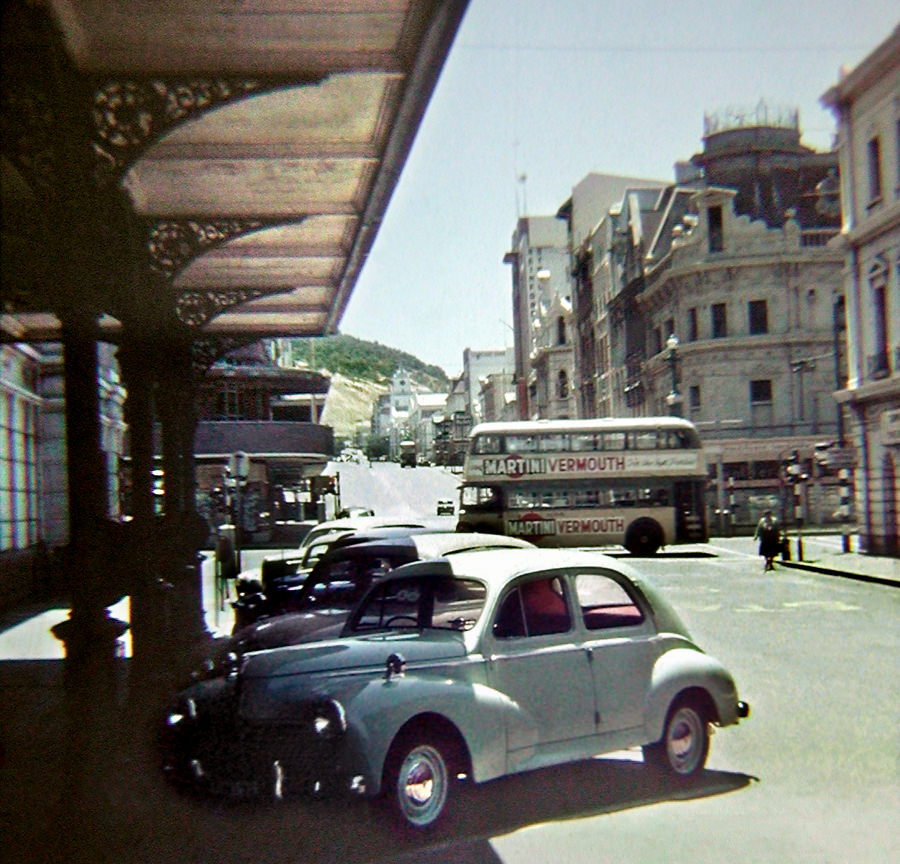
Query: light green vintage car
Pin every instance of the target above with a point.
(468, 667)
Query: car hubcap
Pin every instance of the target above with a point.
(422, 786)
(684, 741)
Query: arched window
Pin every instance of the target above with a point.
(562, 384)
(560, 330)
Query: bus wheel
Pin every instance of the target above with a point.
(644, 537)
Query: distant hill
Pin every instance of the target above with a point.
(366, 361)
(360, 372)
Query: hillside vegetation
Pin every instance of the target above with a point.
(362, 360)
(360, 372)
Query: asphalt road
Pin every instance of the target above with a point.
(812, 776)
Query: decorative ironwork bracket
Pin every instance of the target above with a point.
(196, 308)
(171, 244)
(129, 115)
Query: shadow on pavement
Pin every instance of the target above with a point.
(59, 803)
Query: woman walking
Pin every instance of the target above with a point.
(769, 535)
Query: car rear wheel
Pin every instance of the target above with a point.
(418, 780)
(684, 747)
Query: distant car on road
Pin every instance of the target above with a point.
(475, 666)
(445, 507)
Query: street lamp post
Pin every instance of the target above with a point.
(673, 398)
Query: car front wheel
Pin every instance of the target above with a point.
(685, 743)
(418, 780)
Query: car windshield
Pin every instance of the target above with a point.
(441, 603)
(341, 584)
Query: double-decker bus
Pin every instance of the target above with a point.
(636, 482)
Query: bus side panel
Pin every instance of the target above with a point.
(575, 528)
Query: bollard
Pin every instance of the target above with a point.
(799, 548)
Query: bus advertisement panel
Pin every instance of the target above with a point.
(638, 482)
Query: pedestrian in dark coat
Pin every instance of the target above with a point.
(768, 533)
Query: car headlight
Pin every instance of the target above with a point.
(329, 719)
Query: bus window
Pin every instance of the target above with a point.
(480, 497)
(643, 440)
(486, 444)
(613, 440)
(583, 442)
(521, 443)
(553, 443)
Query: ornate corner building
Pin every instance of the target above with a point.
(866, 103)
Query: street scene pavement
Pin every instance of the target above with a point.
(812, 775)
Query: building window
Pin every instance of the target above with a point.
(715, 229)
(758, 313)
(18, 473)
(692, 325)
(761, 392)
(694, 397)
(657, 340)
(873, 150)
(878, 361)
(562, 385)
(560, 330)
(719, 320)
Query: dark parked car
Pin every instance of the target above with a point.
(276, 586)
(321, 602)
(472, 666)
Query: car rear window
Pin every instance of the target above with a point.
(449, 604)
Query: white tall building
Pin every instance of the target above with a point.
(540, 260)
(866, 103)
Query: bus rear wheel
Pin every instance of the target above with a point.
(644, 537)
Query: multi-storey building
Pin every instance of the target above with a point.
(451, 429)
(731, 261)
(477, 366)
(540, 272)
(553, 362)
(585, 216)
(866, 103)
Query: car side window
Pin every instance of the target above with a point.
(337, 585)
(536, 608)
(605, 603)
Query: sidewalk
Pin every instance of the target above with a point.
(849, 565)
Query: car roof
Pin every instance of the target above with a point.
(425, 545)
(436, 544)
(359, 523)
(496, 567)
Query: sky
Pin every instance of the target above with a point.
(553, 91)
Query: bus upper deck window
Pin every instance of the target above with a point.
(613, 440)
(582, 442)
(643, 441)
(552, 443)
(521, 443)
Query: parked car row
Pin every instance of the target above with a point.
(462, 665)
